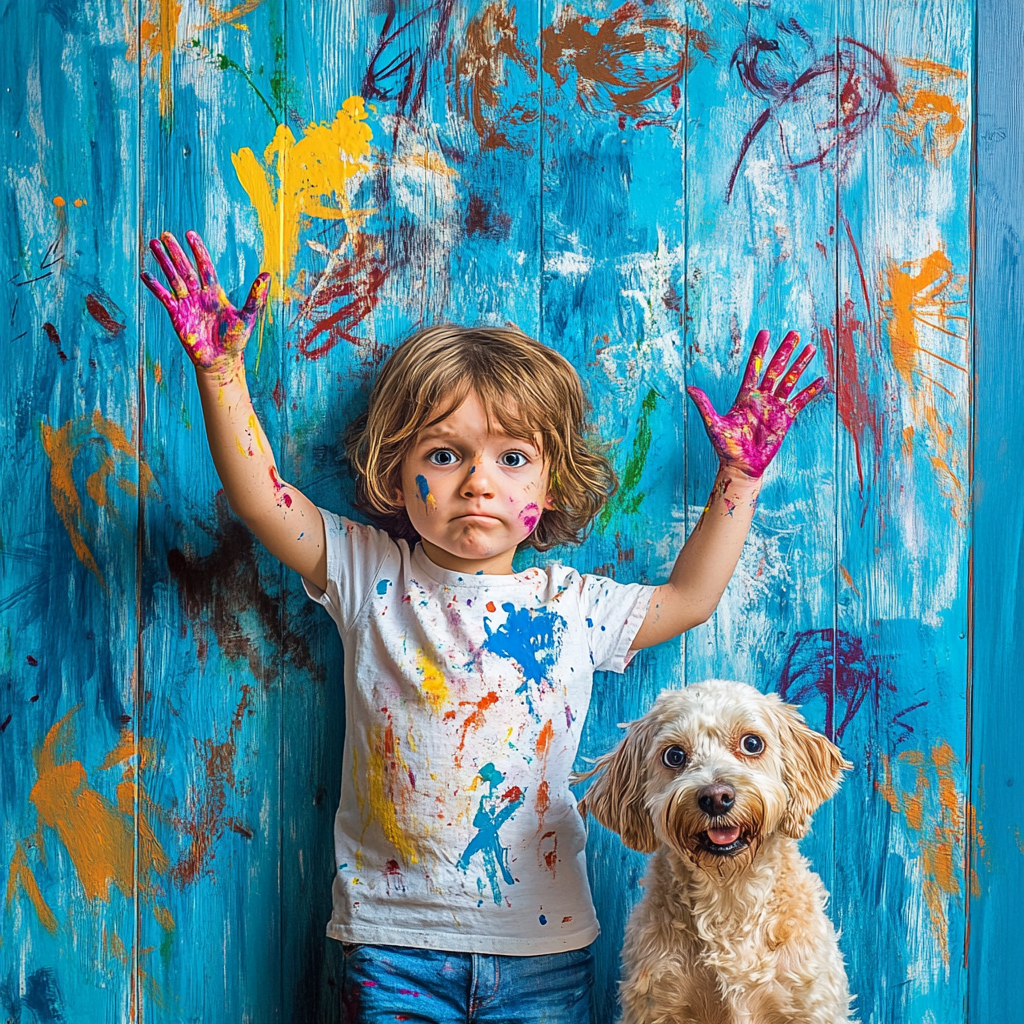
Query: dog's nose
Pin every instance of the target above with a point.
(716, 800)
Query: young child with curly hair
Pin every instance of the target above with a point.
(461, 887)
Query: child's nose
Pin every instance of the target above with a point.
(476, 482)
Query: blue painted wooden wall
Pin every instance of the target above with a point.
(641, 185)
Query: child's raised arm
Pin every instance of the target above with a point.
(745, 439)
(214, 334)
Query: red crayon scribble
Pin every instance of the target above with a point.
(343, 295)
(205, 820)
(102, 316)
(51, 333)
(624, 63)
(857, 410)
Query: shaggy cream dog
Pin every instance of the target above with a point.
(719, 781)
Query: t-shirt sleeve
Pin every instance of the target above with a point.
(355, 554)
(612, 613)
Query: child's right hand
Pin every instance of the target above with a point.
(213, 332)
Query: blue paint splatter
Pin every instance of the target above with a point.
(494, 810)
(382, 587)
(532, 639)
(421, 483)
(542, 919)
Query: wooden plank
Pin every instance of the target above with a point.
(214, 639)
(996, 986)
(903, 221)
(71, 476)
(614, 262)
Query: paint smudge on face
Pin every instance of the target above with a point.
(495, 809)
(530, 516)
(216, 592)
(429, 501)
(118, 459)
(491, 65)
(324, 163)
(833, 666)
(928, 122)
(434, 685)
(626, 63)
(925, 294)
(933, 807)
(532, 639)
(205, 821)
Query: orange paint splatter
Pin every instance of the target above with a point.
(58, 200)
(923, 295)
(933, 807)
(474, 720)
(117, 457)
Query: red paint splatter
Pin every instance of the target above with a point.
(102, 316)
(32, 661)
(51, 333)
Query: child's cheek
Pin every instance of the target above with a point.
(529, 516)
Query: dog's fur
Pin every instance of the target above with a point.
(737, 937)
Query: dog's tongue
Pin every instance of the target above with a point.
(723, 836)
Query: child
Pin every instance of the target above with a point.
(461, 889)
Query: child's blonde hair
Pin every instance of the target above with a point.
(532, 391)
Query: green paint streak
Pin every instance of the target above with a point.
(627, 500)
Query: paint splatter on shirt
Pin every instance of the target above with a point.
(465, 697)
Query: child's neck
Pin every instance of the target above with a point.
(497, 564)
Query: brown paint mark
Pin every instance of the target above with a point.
(932, 807)
(490, 66)
(217, 591)
(924, 294)
(106, 441)
(848, 579)
(205, 820)
(102, 315)
(51, 332)
(623, 62)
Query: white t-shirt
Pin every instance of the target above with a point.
(464, 702)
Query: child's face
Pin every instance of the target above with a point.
(473, 494)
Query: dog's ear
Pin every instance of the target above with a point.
(616, 798)
(812, 766)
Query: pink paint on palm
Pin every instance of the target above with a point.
(748, 436)
(213, 331)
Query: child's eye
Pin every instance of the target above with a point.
(442, 457)
(513, 460)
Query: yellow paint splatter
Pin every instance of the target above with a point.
(386, 775)
(924, 294)
(940, 820)
(435, 687)
(117, 456)
(313, 180)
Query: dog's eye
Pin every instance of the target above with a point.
(674, 758)
(751, 744)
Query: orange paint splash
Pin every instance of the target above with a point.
(473, 720)
(158, 37)
(923, 295)
(117, 457)
(933, 807)
(314, 176)
(929, 122)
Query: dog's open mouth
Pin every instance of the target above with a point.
(724, 842)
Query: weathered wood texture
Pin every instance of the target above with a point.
(640, 185)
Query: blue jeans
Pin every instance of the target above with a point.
(430, 986)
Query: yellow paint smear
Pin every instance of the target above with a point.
(386, 788)
(435, 687)
(313, 177)
(932, 68)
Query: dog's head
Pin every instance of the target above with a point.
(711, 771)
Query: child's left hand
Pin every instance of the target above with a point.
(747, 437)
